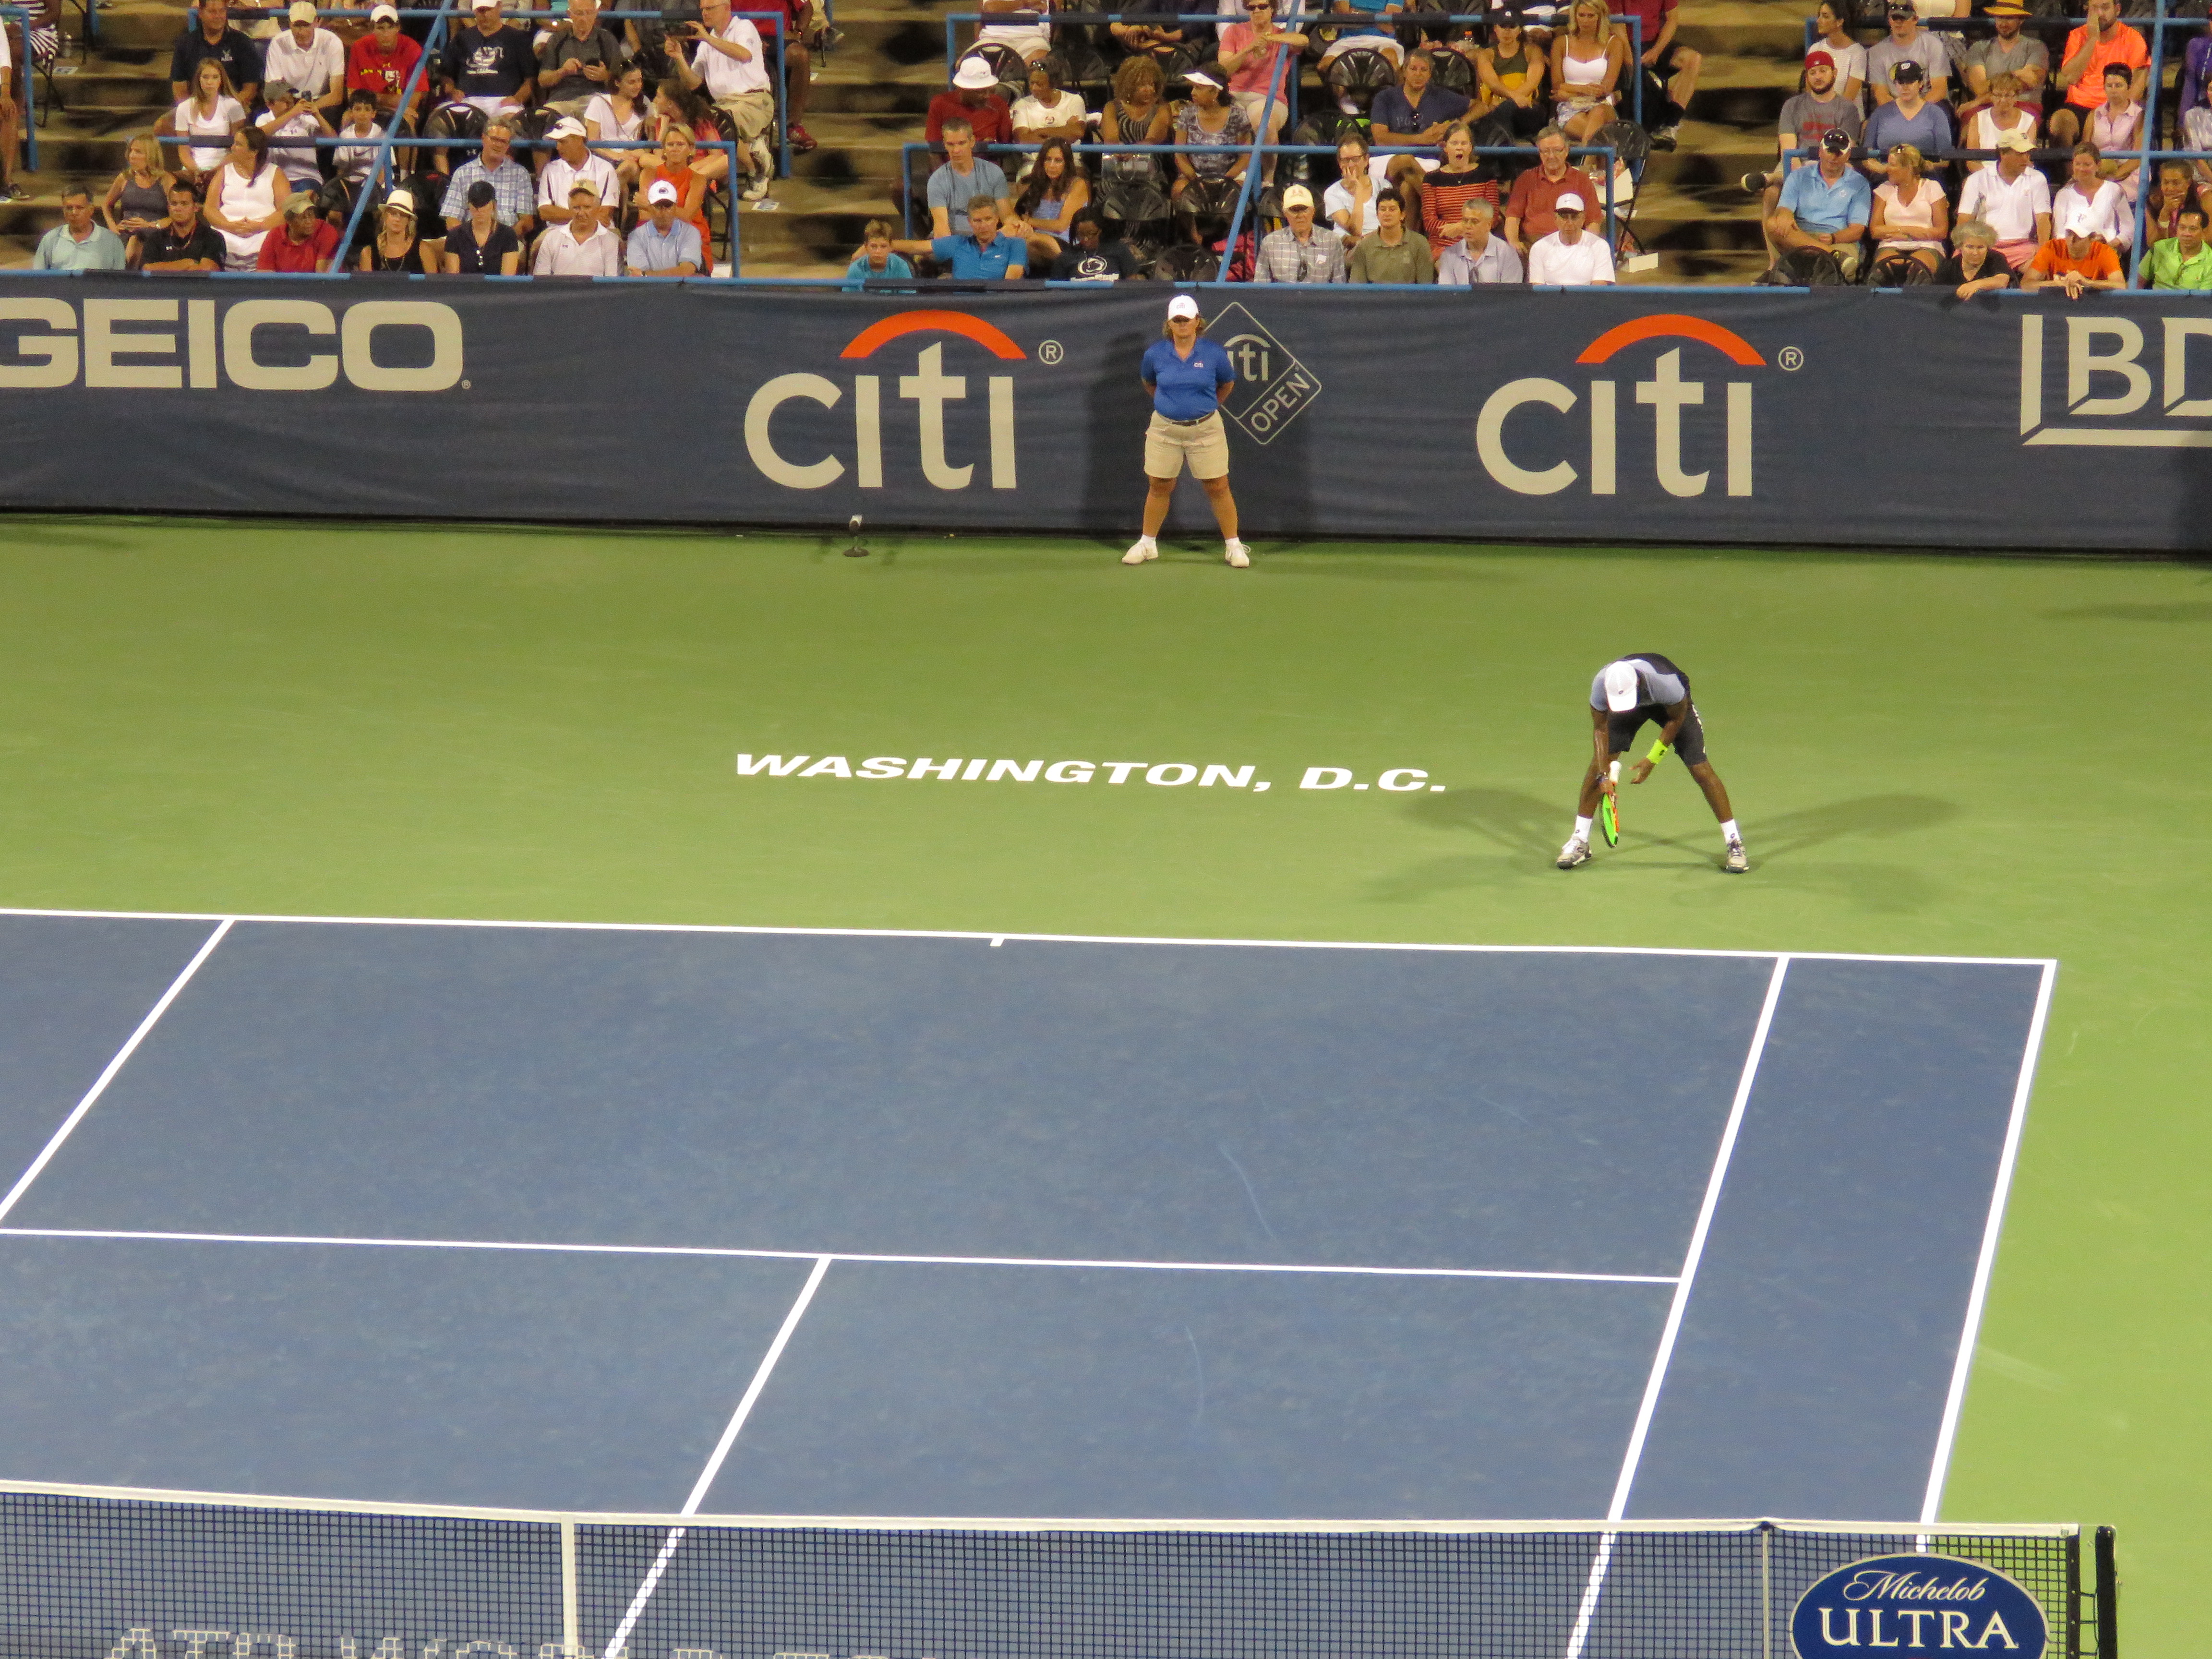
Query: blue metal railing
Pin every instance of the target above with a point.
(30, 117)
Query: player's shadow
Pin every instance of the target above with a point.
(1791, 832)
(1518, 823)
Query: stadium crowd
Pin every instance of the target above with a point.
(548, 146)
(1490, 143)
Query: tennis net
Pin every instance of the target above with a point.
(115, 1573)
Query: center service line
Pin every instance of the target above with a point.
(122, 1055)
(705, 1481)
(1677, 1308)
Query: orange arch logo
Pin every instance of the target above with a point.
(1672, 325)
(994, 340)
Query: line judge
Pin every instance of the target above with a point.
(1189, 376)
(1625, 696)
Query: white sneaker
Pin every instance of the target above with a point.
(1237, 554)
(1736, 863)
(1142, 549)
(1577, 850)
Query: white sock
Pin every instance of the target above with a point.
(1581, 829)
(1730, 834)
(1146, 541)
(1231, 541)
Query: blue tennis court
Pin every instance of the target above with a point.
(601, 1218)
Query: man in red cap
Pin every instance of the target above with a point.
(1805, 119)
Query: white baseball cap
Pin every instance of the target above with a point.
(1183, 305)
(1569, 200)
(2079, 223)
(384, 13)
(660, 191)
(567, 127)
(1621, 685)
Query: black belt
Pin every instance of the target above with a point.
(1200, 421)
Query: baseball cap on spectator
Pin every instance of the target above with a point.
(583, 183)
(974, 75)
(1904, 69)
(481, 194)
(299, 205)
(1183, 305)
(660, 191)
(1901, 10)
(485, 5)
(1569, 202)
(302, 11)
(2079, 223)
(1819, 59)
(567, 127)
(1297, 196)
(276, 89)
(1836, 139)
(2014, 138)
(383, 14)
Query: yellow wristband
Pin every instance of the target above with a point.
(1658, 753)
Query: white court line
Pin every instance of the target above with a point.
(833, 1256)
(1963, 1366)
(705, 1481)
(1680, 1305)
(1022, 938)
(99, 1086)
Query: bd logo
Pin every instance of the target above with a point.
(1665, 394)
(2107, 379)
(929, 388)
(1916, 1604)
(1273, 388)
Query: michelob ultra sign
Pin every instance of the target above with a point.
(1916, 1604)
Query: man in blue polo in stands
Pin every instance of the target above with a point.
(1825, 207)
(982, 255)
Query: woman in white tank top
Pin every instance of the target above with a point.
(1911, 217)
(1588, 61)
(245, 198)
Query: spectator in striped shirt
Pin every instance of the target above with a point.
(1463, 177)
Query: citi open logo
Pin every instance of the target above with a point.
(1665, 394)
(929, 388)
(1273, 388)
(2103, 356)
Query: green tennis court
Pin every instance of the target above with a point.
(1930, 756)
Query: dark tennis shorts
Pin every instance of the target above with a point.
(1621, 731)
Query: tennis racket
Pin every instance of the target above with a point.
(1609, 816)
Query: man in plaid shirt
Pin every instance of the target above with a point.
(1294, 253)
(514, 191)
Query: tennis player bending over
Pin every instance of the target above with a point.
(1627, 693)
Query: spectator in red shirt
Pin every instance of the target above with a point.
(973, 98)
(1669, 71)
(307, 241)
(1529, 210)
(383, 61)
(2103, 40)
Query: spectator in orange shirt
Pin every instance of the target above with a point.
(2076, 262)
(2102, 39)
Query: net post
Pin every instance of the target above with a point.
(2074, 1593)
(1766, 1590)
(571, 1636)
(2108, 1595)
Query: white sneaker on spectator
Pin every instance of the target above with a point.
(755, 186)
(1237, 553)
(1142, 549)
(764, 157)
(1577, 850)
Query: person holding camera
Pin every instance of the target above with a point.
(726, 57)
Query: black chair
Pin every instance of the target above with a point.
(1358, 74)
(1453, 72)
(1180, 62)
(1633, 146)
(1323, 126)
(1412, 35)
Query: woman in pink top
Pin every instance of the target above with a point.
(2116, 126)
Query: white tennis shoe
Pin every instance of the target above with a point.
(1736, 863)
(1577, 850)
(1142, 549)
(1236, 554)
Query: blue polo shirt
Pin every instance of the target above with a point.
(1820, 205)
(1183, 387)
(971, 261)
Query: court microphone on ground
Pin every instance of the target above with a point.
(855, 551)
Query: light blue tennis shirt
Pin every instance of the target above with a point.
(1183, 388)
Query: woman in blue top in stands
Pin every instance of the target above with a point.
(1189, 378)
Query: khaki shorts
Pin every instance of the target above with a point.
(754, 112)
(1168, 446)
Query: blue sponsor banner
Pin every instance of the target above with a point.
(1824, 418)
(1916, 1604)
